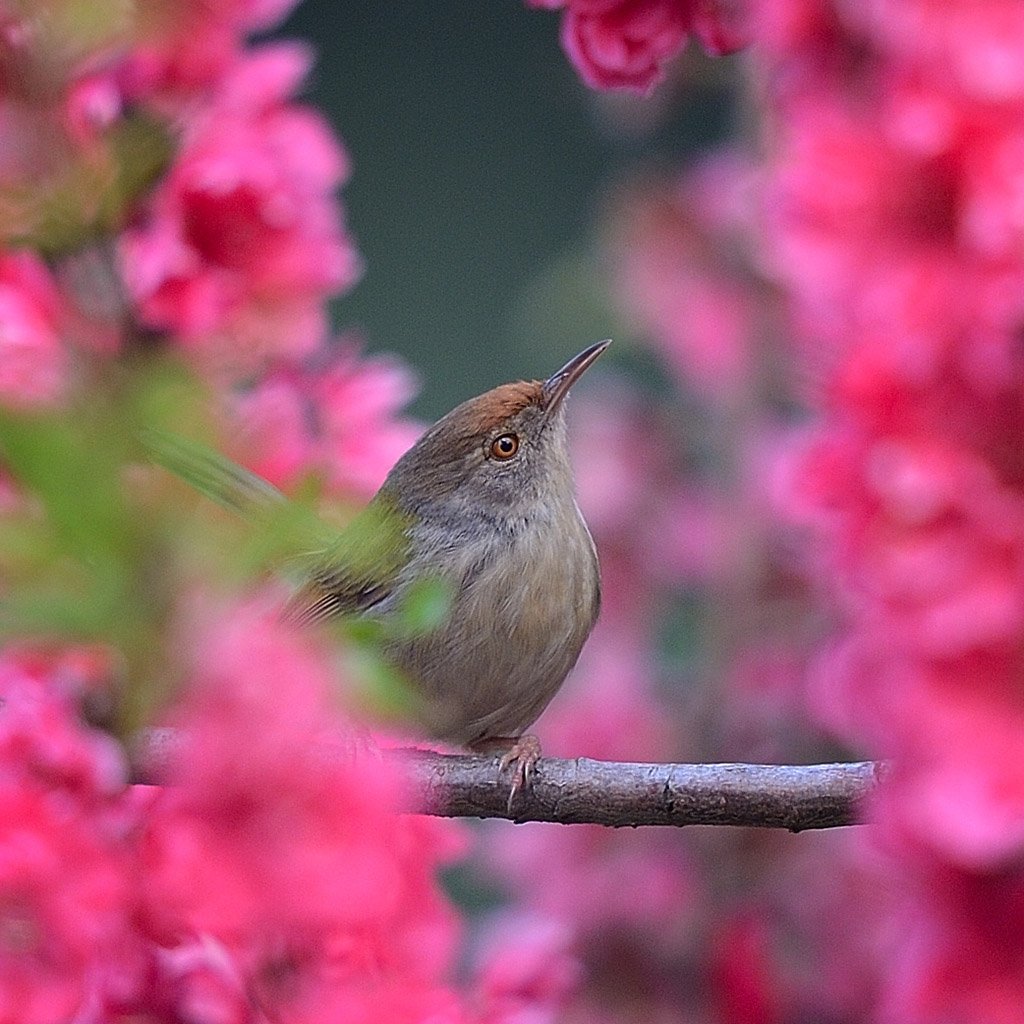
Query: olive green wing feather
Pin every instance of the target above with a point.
(342, 573)
(214, 475)
(360, 568)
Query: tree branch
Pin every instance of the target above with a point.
(584, 791)
(795, 797)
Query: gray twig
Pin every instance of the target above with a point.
(582, 790)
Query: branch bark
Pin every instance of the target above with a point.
(584, 791)
(578, 791)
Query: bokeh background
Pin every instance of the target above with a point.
(480, 166)
(800, 463)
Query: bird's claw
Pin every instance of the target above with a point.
(524, 753)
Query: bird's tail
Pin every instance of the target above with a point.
(214, 475)
(291, 530)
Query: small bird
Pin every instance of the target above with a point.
(484, 504)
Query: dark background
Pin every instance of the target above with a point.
(479, 166)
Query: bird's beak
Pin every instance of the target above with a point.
(556, 387)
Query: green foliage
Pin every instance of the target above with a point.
(92, 550)
(424, 608)
(73, 550)
(101, 542)
(86, 550)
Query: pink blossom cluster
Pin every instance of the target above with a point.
(33, 358)
(893, 216)
(65, 869)
(625, 44)
(267, 878)
(240, 244)
(890, 209)
(334, 416)
(277, 876)
(265, 874)
(228, 256)
(226, 259)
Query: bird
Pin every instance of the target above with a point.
(483, 505)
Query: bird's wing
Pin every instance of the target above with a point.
(360, 569)
(294, 532)
(214, 475)
(341, 573)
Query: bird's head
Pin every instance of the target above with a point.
(503, 453)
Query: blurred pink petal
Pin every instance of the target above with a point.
(623, 44)
(181, 47)
(66, 873)
(528, 970)
(339, 420)
(281, 843)
(957, 958)
(742, 967)
(893, 208)
(34, 364)
(722, 26)
(242, 242)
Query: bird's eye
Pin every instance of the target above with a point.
(505, 447)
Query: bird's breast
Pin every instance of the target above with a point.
(524, 601)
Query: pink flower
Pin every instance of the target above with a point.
(975, 46)
(180, 47)
(92, 105)
(284, 848)
(967, 805)
(742, 973)
(929, 546)
(958, 959)
(241, 243)
(955, 787)
(837, 190)
(528, 970)
(895, 214)
(881, 213)
(66, 942)
(624, 44)
(199, 981)
(33, 361)
(337, 420)
(42, 737)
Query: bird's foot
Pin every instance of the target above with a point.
(521, 751)
(524, 754)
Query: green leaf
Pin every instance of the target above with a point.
(425, 606)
